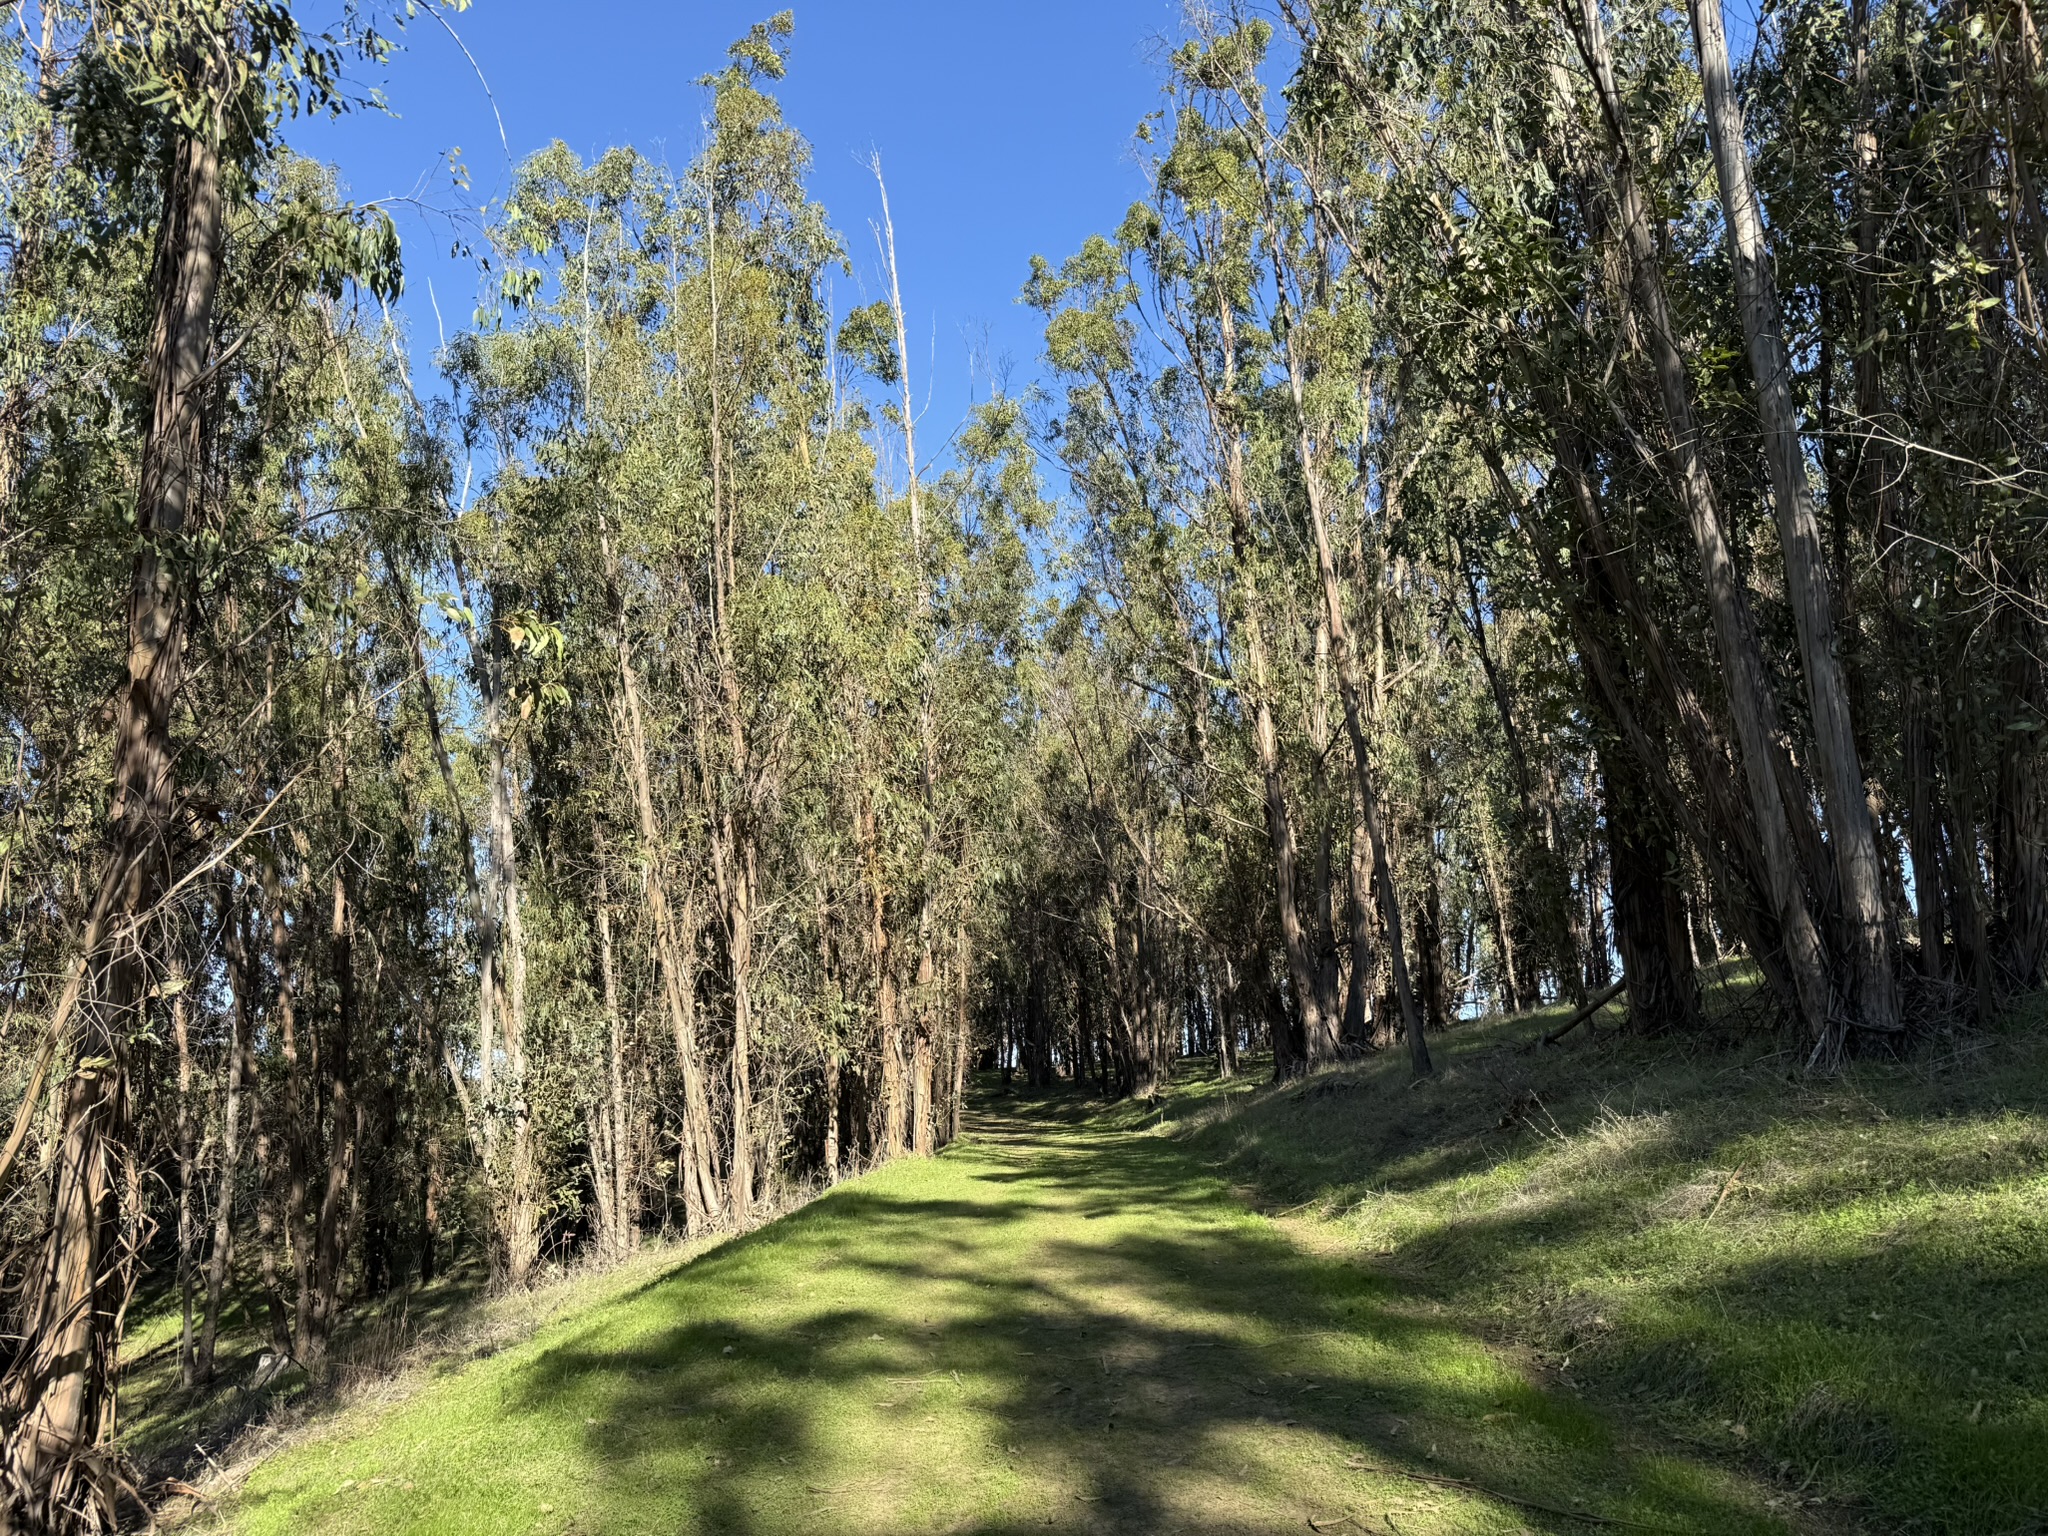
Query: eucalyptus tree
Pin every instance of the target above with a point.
(756, 685)
(184, 99)
(1152, 431)
(1528, 198)
(1541, 495)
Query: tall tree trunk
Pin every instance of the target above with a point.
(1923, 829)
(1510, 982)
(1531, 892)
(1859, 876)
(330, 1227)
(674, 947)
(1432, 974)
(433, 1179)
(519, 1193)
(301, 1130)
(1365, 969)
(1650, 927)
(1724, 834)
(58, 1393)
(1227, 1022)
(962, 979)
(1965, 863)
(922, 1077)
(1875, 484)
(625, 1180)
(1351, 686)
(888, 1022)
(270, 1228)
(736, 881)
(484, 925)
(1248, 627)
(832, 1114)
(188, 1177)
(925, 1005)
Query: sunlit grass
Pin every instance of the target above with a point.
(1067, 1323)
(382, 1348)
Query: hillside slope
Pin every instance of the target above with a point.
(1837, 1283)
(1066, 1323)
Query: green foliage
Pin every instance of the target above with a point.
(228, 71)
(867, 339)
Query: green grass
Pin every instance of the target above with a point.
(1697, 1292)
(381, 1348)
(1841, 1284)
(1066, 1323)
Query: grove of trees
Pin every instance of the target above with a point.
(1528, 503)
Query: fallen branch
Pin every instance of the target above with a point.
(1586, 1012)
(1509, 1498)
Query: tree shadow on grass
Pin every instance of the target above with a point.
(1861, 1320)
(1082, 1333)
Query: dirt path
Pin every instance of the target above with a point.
(1058, 1325)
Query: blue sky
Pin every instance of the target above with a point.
(1004, 129)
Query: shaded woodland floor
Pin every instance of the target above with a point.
(1692, 1293)
(1839, 1283)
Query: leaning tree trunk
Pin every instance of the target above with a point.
(58, 1391)
(1750, 697)
(1859, 876)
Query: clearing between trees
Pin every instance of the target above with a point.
(1602, 1286)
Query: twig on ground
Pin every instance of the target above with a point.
(1733, 1178)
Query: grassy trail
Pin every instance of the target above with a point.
(1065, 1323)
